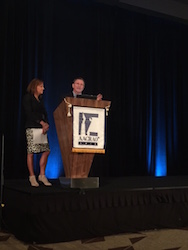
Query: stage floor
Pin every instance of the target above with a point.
(127, 204)
(128, 183)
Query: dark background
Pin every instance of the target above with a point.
(137, 60)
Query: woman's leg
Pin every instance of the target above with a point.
(32, 178)
(43, 162)
(30, 164)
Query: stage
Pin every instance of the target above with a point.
(127, 204)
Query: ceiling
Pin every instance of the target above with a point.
(171, 8)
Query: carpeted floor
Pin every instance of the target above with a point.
(165, 239)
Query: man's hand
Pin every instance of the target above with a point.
(99, 97)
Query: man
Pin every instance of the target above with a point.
(78, 86)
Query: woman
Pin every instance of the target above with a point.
(36, 130)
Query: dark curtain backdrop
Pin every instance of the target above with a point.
(136, 60)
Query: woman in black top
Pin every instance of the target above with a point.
(36, 126)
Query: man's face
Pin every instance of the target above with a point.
(78, 86)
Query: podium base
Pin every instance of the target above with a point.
(82, 183)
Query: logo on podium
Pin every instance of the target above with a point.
(88, 127)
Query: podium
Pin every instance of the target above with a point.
(77, 161)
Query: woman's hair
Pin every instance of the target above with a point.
(31, 88)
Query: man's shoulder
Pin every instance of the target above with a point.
(70, 94)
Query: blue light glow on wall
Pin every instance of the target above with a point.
(160, 133)
(160, 154)
(149, 144)
(156, 152)
(156, 133)
(54, 168)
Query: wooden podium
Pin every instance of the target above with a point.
(76, 164)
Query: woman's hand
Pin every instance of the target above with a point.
(45, 127)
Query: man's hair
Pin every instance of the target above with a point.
(80, 78)
(31, 88)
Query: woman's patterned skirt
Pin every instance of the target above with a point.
(33, 145)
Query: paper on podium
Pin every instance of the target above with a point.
(38, 136)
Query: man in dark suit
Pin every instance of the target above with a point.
(78, 86)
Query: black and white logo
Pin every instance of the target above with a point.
(88, 127)
(87, 137)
